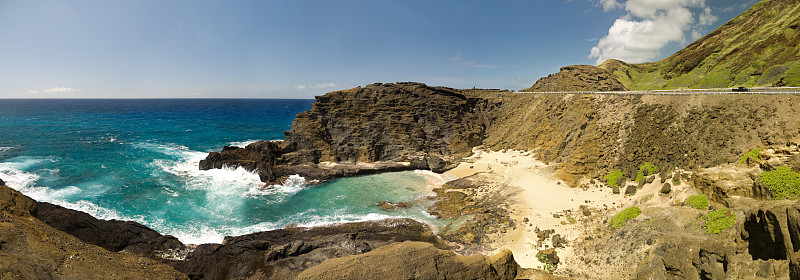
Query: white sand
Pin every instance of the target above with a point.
(538, 197)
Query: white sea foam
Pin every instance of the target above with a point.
(242, 144)
(25, 182)
(3, 150)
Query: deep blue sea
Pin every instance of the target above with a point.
(138, 160)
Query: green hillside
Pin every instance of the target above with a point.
(757, 48)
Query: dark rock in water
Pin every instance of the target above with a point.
(414, 260)
(631, 189)
(377, 128)
(615, 190)
(283, 253)
(391, 206)
(2, 183)
(111, 235)
(666, 188)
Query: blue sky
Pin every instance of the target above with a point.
(298, 49)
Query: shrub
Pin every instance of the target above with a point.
(751, 154)
(698, 201)
(718, 220)
(620, 218)
(783, 183)
(613, 176)
(646, 166)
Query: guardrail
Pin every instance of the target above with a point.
(674, 92)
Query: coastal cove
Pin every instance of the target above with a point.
(137, 160)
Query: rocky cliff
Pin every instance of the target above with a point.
(587, 136)
(578, 78)
(377, 128)
(30, 249)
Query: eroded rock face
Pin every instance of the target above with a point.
(377, 128)
(578, 78)
(30, 249)
(414, 260)
(111, 235)
(283, 253)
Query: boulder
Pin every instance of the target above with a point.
(631, 189)
(615, 190)
(414, 260)
(666, 188)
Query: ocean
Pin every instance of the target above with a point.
(138, 160)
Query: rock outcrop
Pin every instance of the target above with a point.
(30, 249)
(111, 235)
(414, 260)
(377, 128)
(283, 253)
(578, 78)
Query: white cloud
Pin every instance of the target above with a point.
(706, 18)
(473, 63)
(457, 57)
(317, 86)
(522, 80)
(609, 5)
(649, 26)
(53, 90)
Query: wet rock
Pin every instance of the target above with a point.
(666, 188)
(414, 260)
(284, 253)
(630, 190)
(391, 206)
(112, 235)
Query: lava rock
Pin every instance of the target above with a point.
(666, 188)
(631, 189)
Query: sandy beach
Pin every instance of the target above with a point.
(542, 202)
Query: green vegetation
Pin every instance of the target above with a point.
(718, 220)
(547, 266)
(751, 154)
(613, 176)
(783, 183)
(620, 218)
(676, 180)
(571, 220)
(698, 201)
(649, 167)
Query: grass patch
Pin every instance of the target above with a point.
(783, 183)
(620, 218)
(698, 201)
(718, 220)
(647, 166)
(751, 154)
(612, 177)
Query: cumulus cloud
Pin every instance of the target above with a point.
(650, 25)
(317, 86)
(54, 90)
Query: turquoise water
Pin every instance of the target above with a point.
(137, 160)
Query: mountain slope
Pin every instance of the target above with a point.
(757, 48)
